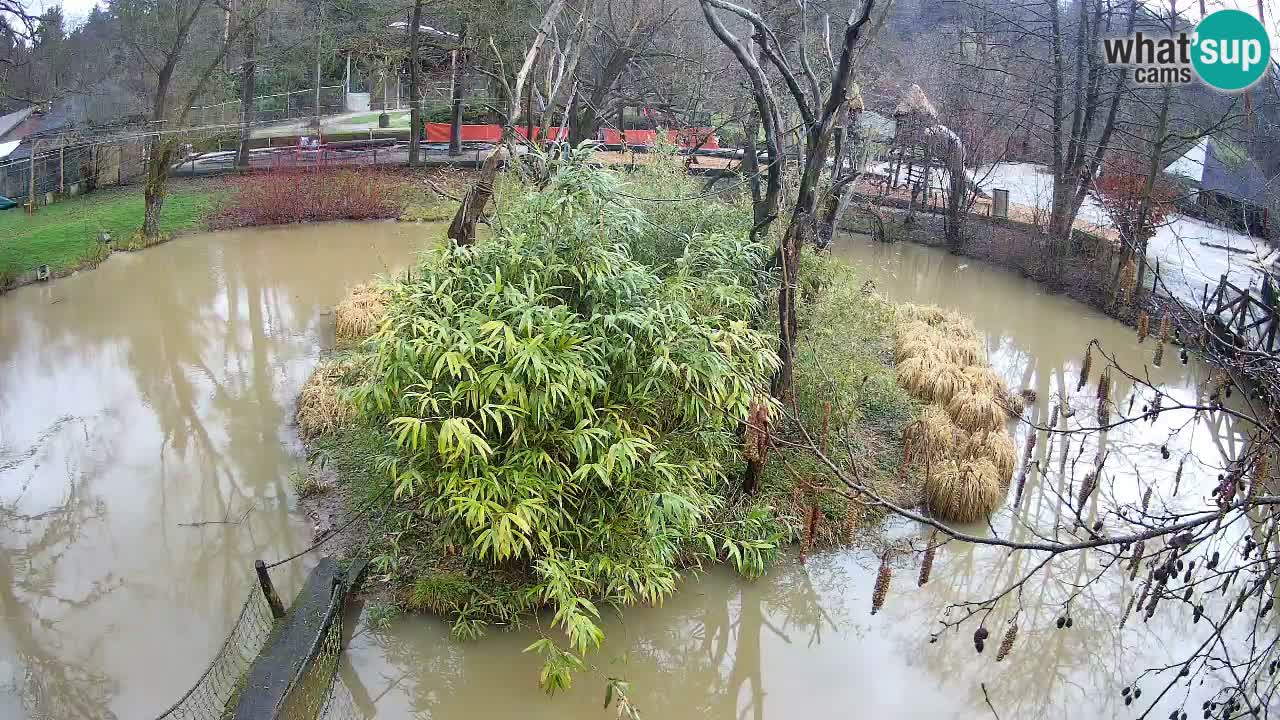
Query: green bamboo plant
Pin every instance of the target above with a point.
(568, 415)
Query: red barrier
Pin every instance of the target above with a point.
(684, 138)
(557, 133)
(439, 133)
(688, 138)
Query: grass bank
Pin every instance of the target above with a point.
(65, 235)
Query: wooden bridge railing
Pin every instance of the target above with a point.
(1253, 323)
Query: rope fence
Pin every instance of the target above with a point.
(221, 682)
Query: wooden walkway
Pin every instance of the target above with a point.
(295, 646)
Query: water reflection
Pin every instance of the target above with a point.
(800, 642)
(145, 449)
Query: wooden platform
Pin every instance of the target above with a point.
(289, 648)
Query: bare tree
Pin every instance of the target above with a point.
(820, 111)
(161, 36)
(462, 229)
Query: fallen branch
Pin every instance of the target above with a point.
(223, 521)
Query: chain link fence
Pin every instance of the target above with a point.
(296, 105)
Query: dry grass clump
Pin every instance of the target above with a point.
(976, 411)
(964, 491)
(960, 438)
(996, 447)
(928, 314)
(359, 313)
(934, 438)
(322, 409)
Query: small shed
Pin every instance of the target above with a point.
(1225, 186)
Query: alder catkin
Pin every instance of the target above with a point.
(1128, 608)
(1084, 368)
(926, 564)
(1143, 323)
(852, 513)
(810, 529)
(1142, 594)
(882, 584)
(1086, 489)
(1006, 645)
(1104, 397)
(1137, 559)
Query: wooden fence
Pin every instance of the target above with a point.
(1243, 317)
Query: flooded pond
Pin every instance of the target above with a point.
(137, 400)
(156, 392)
(801, 642)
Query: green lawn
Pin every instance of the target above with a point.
(399, 118)
(65, 235)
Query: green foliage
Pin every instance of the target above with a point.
(844, 362)
(64, 235)
(668, 224)
(566, 415)
(380, 614)
(443, 594)
(304, 482)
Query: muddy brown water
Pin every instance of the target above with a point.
(151, 392)
(156, 391)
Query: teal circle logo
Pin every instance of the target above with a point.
(1231, 50)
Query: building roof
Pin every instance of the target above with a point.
(1217, 167)
(1236, 176)
(13, 120)
(8, 147)
(401, 25)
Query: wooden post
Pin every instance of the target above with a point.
(31, 191)
(62, 170)
(269, 590)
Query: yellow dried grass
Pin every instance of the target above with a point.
(994, 447)
(983, 379)
(945, 382)
(976, 412)
(928, 314)
(964, 491)
(936, 437)
(322, 408)
(358, 315)
(961, 436)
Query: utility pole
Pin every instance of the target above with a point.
(459, 90)
(319, 40)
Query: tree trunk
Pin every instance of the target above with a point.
(415, 92)
(154, 190)
(459, 74)
(248, 91)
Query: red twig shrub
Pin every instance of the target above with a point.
(1121, 190)
(278, 198)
